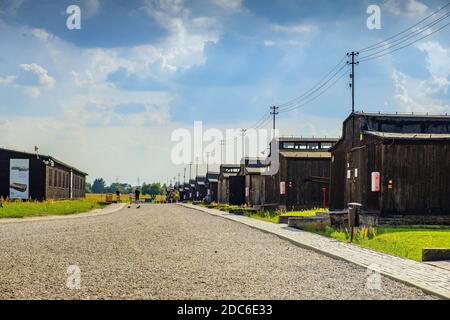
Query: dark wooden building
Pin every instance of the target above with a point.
(394, 165)
(252, 170)
(226, 171)
(212, 180)
(200, 188)
(191, 193)
(34, 176)
(303, 175)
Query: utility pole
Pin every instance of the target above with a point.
(274, 112)
(184, 175)
(207, 162)
(196, 167)
(222, 144)
(190, 167)
(352, 76)
(243, 142)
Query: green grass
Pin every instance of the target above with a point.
(272, 216)
(304, 213)
(18, 209)
(403, 241)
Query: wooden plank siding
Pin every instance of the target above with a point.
(414, 154)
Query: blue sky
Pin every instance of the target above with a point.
(137, 70)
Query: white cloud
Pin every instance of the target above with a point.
(41, 34)
(42, 76)
(31, 78)
(184, 46)
(416, 95)
(405, 8)
(297, 28)
(438, 63)
(271, 43)
(228, 4)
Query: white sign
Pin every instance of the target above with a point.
(247, 191)
(282, 187)
(19, 170)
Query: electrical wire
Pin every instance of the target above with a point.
(318, 85)
(376, 45)
(318, 95)
(407, 45)
(388, 49)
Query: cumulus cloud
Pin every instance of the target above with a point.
(31, 77)
(35, 75)
(405, 8)
(228, 4)
(295, 28)
(188, 34)
(416, 95)
(438, 64)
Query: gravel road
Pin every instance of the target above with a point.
(171, 252)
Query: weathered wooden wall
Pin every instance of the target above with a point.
(418, 168)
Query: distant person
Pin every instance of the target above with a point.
(118, 196)
(130, 196)
(137, 193)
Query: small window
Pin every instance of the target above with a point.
(313, 146)
(288, 145)
(326, 145)
(50, 177)
(300, 146)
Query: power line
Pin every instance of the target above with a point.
(314, 88)
(393, 45)
(318, 95)
(407, 45)
(374, 46)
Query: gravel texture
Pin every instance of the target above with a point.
(171, 252)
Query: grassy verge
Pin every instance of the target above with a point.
(45, 208)
(272, 216)
(124, 198)
(403, 241)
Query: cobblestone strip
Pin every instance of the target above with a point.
(429, 278)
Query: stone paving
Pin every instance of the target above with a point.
(427, 277)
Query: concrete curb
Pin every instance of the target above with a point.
(114, 207)
(440, 292)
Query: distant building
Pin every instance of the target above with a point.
(25, 175)
(252, 170)
(200, 188)
(212, 179)
(303, 175)
(393, 165)
(226, 171)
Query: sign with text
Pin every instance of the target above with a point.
(19, 170)
(282, 187)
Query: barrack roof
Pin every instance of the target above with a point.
(46, 157)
